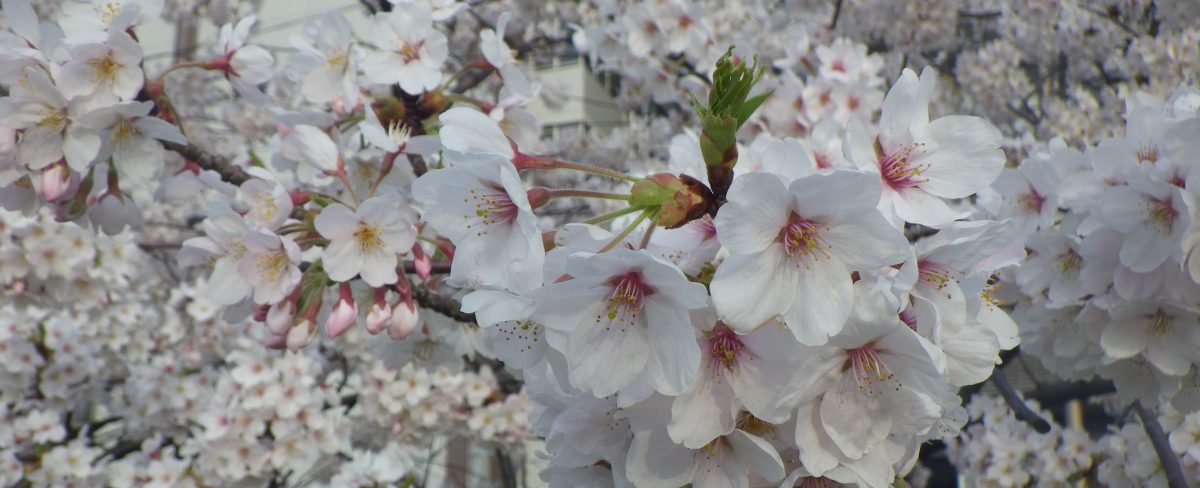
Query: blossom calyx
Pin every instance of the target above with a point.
(679, 199)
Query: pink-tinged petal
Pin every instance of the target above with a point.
(604, 358)
(39, 147)
(854, 419)
(756, 379)
(963, 156)
(903, 107)
(519, 344)
(416, 78)
(226, 286)
(758, 209)
(1170, 358)
(1126, 338)
(378, 268)
(834, 196)
(312, 146)
(996, 320)
(253, 64)
(469, 131)
(911, 412)
(494, 306)
(160, 129)
(971, 353)
(336, 222)
(823, 297)
(1144, 250)
(80, 147)
(705, 411)
(674, 355)
(341, 260)
(916, 206)
(1122, 208)
(654, 461)
(816, 450)
(867, 242)
(757, 454)
(749, 290)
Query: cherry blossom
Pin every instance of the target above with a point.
(794, 248)
(364, 241)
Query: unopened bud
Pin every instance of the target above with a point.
(275, 341)
(279, 317)
(537, 197)
(341, 318)
(422, 263)
(56, 182)
(301, 334)
(378, 318)
(679, 199)
(404, 320)
(260, 313)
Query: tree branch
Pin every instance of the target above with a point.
(1018, 405)
(229, 172)
(1162, 447)
(444, 305)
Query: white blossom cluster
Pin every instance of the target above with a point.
(997, 449)
(1111, 280)
(90, 396)
(788, 288)
(1037, 70)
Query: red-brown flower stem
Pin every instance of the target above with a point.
(385, 168)
(525, 161)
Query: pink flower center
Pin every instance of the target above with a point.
(492, 205)
(801, 236)
(823, 160)
(933, 275)
(410, 51)
(724, 349)
(1032, 201)
(1147, 153)
(868, 368)
(627, 300)
(1162, 213)
(898, 170)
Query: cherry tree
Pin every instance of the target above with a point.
(818, 243)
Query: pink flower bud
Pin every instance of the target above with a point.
(421, 262)
(379, 317)
(301, 334)
(341, 318)
(275, 341)
(56, 182)
(404, 319)
(279, 317)
(260, 312)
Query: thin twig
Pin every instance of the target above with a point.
(1162, 447)
(837, 13)
(1018, 405)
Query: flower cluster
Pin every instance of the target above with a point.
(1110, 283)
(822, 343)
(787, 280)
(89, 396)
(996, 449)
